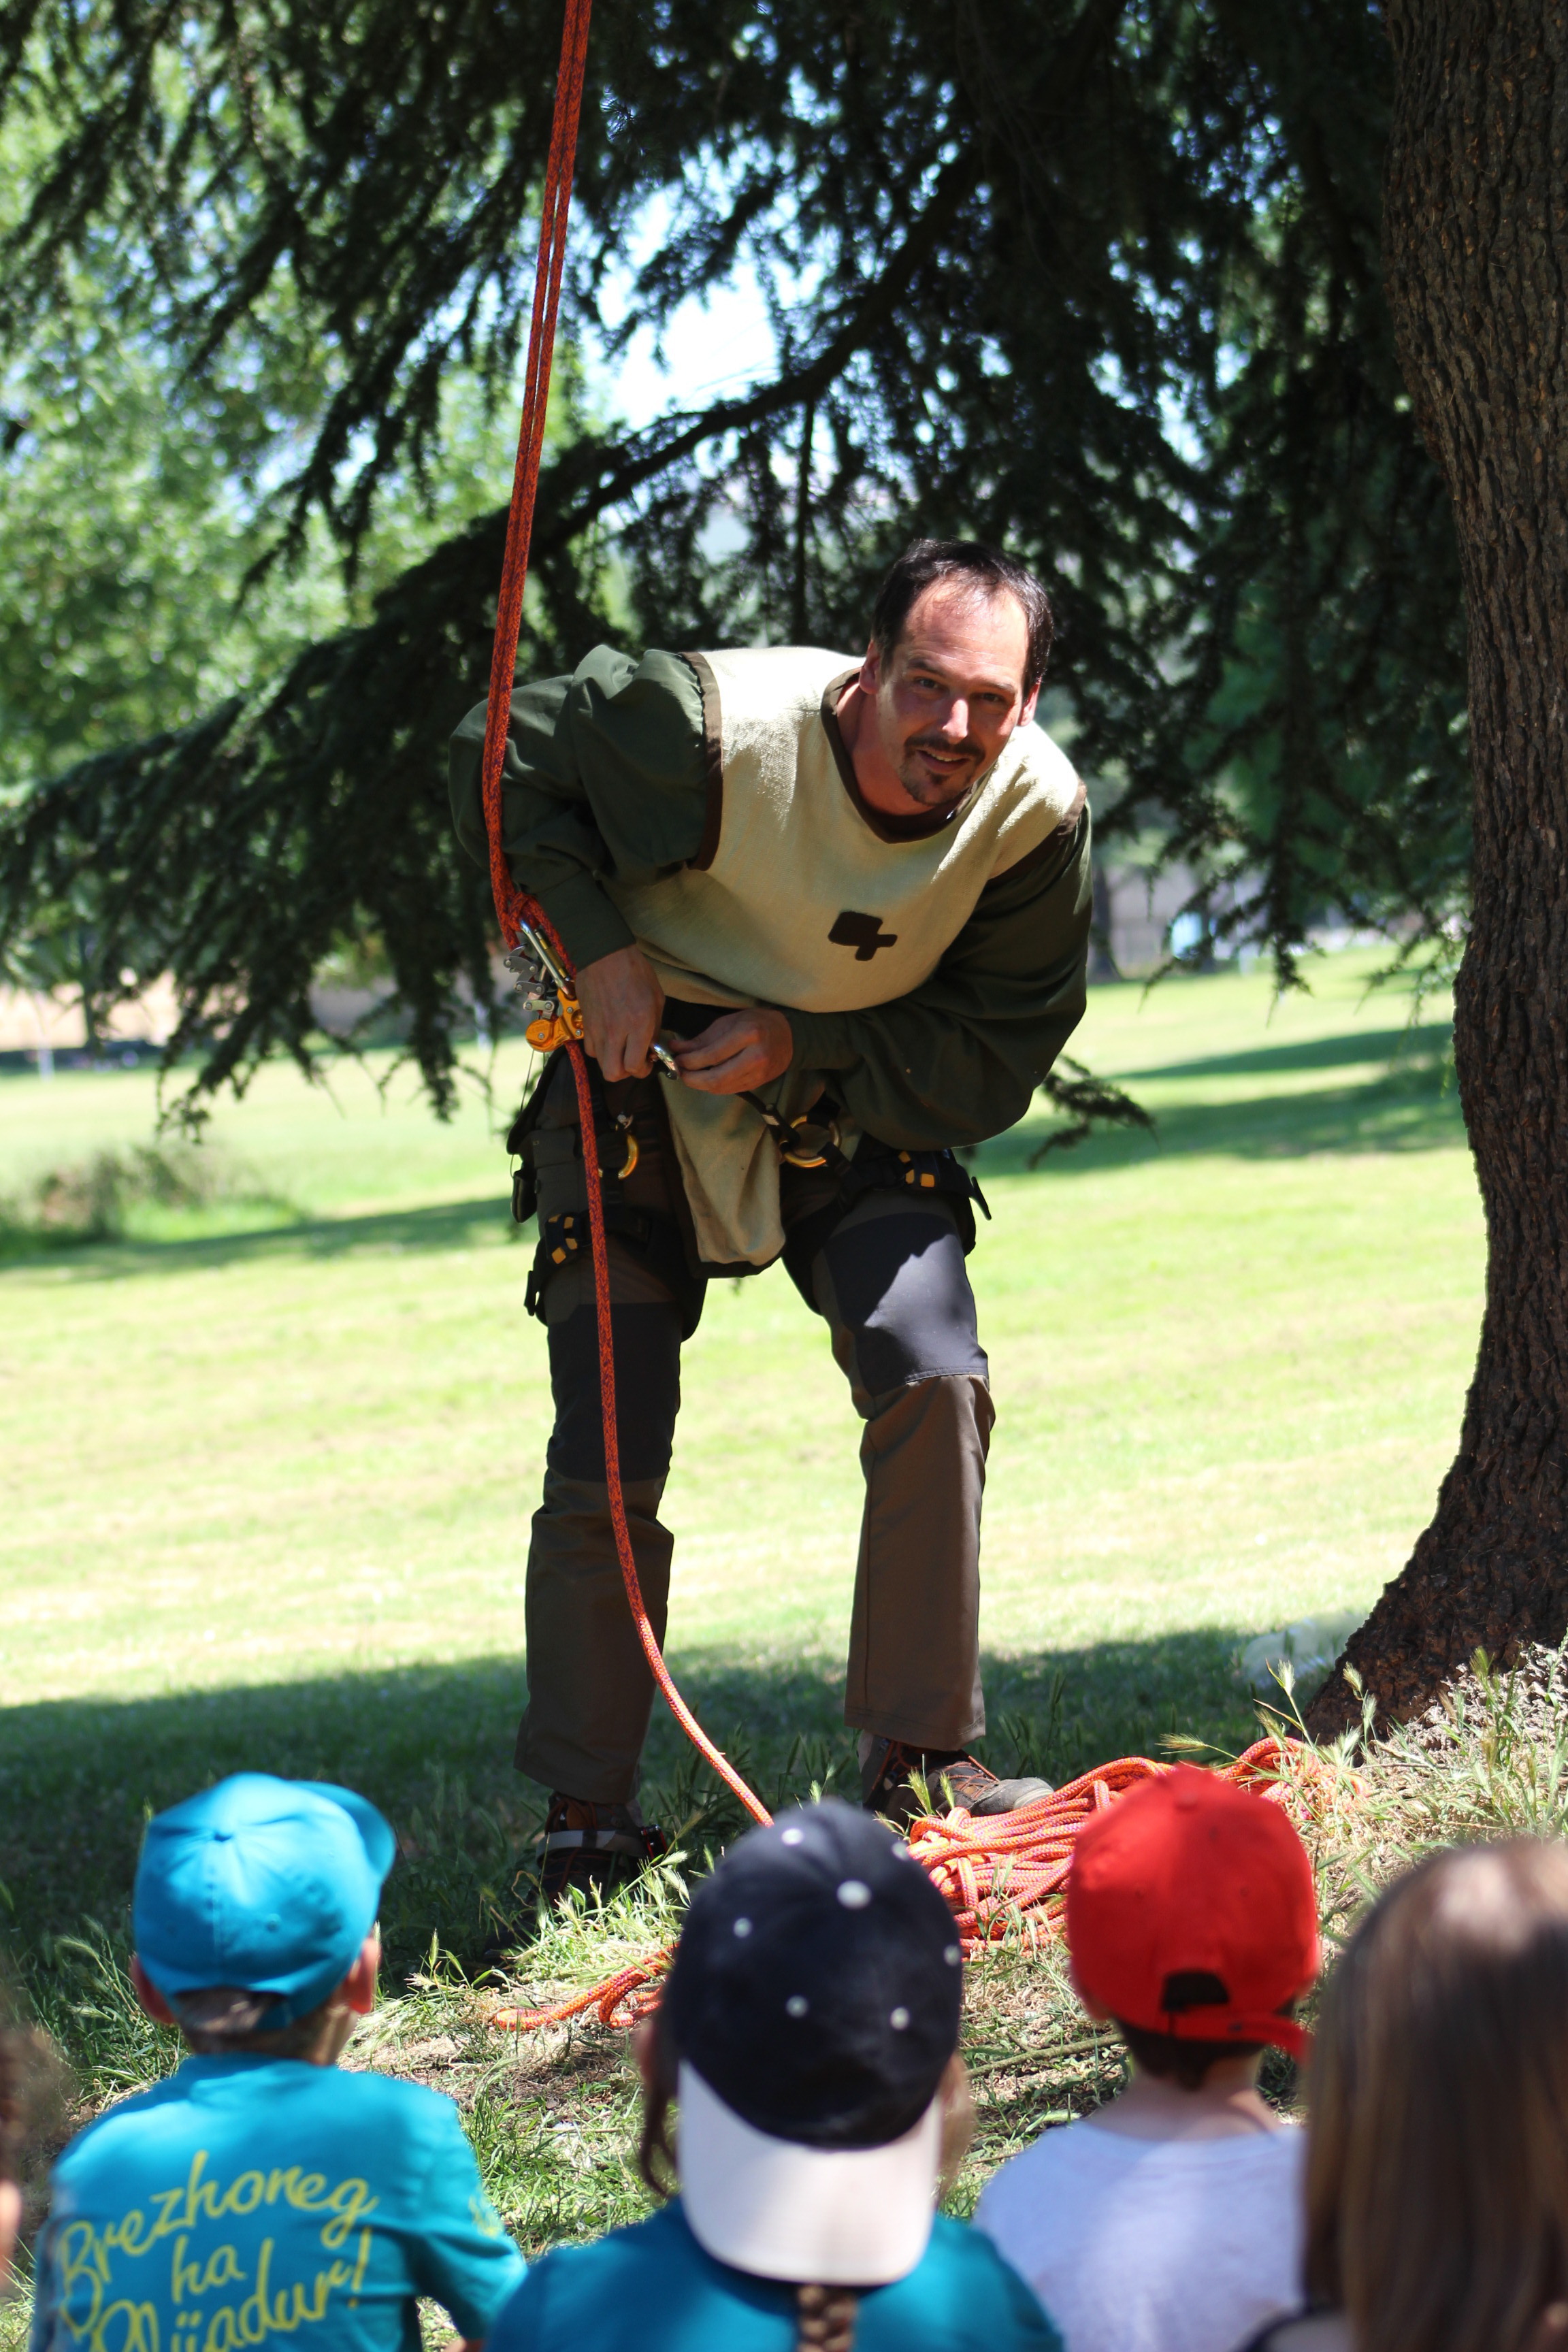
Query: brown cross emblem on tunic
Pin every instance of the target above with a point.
(864, 933)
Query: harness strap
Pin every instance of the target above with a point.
(879, 1167)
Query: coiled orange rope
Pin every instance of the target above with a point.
(1013, 1869)
(998, 1873)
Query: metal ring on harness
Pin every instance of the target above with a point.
(797, 1159)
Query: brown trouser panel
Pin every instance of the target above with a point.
(891, 1285)
(914, 1630)
(590, 1691)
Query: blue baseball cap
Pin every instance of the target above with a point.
(266, 1884)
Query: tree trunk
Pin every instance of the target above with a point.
(1475, 250)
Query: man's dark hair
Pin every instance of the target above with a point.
(970, 563)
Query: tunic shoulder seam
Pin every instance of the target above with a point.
(712, 762)
(1053, 845)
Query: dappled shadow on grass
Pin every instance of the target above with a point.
(1404, 1046)
(1411, 1107)
(432, 1745)
(439, 1226)
(553, 2117)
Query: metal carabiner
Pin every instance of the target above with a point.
(545, 956)
(624, 1125)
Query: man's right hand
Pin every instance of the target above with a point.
(622, 1005)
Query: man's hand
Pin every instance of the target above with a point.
(737, 1052)
(622, 1005)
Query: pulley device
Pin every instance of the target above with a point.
(545, 987)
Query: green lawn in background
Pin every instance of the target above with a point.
(267, 1466)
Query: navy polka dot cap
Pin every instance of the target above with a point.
(817, 1981)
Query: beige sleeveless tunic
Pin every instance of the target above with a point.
(797, 900)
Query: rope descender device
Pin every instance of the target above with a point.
(545, 984)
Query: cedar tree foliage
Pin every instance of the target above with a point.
(1099, 279)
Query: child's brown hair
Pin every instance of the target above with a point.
(1437, 2163)
(1171, 2060)
(225, 2019)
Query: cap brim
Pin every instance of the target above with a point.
(374, 1829)
(1284, 2033)
(822, 2216)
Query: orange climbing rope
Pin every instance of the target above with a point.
(509, 900)
(994, 1871)
(1013, 1869)
(1008, 1871)
(513, 907)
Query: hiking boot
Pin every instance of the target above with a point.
(952, 1778)
(595, 1847)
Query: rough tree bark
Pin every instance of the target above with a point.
(1476, 250)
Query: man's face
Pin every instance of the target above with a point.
(951, 691)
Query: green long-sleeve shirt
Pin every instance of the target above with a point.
(609, 778)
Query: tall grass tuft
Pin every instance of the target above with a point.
(104, 1196)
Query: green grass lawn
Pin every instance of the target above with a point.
(268, 1464)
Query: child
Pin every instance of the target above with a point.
(12, 2063)
(259, 2194)
(809, 2030)
(1438, 2152)
(1169, 2222)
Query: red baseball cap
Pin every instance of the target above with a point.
(1191, 1911)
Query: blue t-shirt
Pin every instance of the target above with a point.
(251, 2199)
(651, 2288)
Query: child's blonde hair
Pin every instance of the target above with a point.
(1437, 2166)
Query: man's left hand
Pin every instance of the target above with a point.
(737, 1052)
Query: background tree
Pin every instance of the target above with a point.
(1096, 278)
(1477, 229)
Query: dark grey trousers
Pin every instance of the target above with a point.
(891, 1286)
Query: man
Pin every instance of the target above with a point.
(858, 891)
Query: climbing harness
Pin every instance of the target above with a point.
(1008, 1868)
